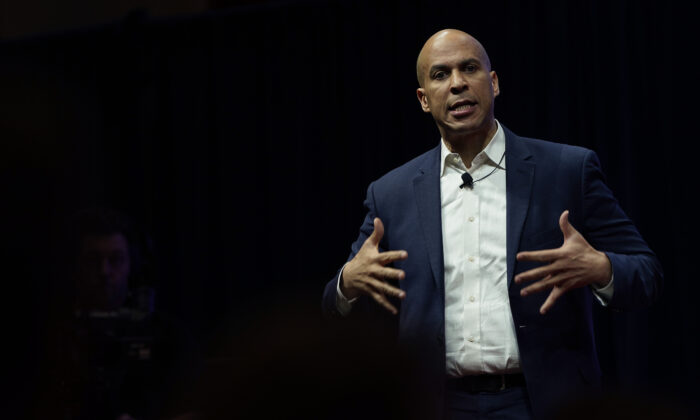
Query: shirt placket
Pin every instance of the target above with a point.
(472, 273)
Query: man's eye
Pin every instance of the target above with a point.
(439, 75)
(471, 68)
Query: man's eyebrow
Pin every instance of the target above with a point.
(436, 67)
(461, 64)
(469, 61)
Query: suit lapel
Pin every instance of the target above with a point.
(427, 192)
(520, 171)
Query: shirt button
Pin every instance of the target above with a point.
(472, 298)
(470, 339)
(471, 218)
(471, 259)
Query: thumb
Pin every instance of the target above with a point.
(378, 232)
(565, 226)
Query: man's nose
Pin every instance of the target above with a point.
(458, 82)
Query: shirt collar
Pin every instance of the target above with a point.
(492, 154)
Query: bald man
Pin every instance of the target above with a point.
(489, 251)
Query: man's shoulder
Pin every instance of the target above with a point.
(539, 148)
(426, 162)
(547, 145)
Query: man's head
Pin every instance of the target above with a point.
(103, 259)
(457, 85)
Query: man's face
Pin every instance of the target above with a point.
(103, 270)
(458, 88)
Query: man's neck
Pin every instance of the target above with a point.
(470, 144)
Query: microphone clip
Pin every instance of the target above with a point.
(467, 180)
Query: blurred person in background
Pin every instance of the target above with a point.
(113, 356)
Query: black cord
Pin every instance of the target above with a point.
(494, 169)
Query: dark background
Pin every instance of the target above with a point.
(240, 138)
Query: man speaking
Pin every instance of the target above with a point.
(489, 251)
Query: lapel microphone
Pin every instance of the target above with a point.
(467, 180)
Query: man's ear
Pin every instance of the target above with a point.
(423, 99)
(494, 84)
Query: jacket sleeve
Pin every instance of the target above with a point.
(361, 305)
(637, 272)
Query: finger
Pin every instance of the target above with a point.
(379, 298)
(546, 283)
(389, 273)
(555, 280)
(377, 233)
(566, 228)
(384, 288)
(549, 302)
(391, 256)
(538, 272)
(544, 255)
(555, 294)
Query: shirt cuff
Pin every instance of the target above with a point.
(343, 304)
(604, 294)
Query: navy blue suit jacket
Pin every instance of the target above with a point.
(557, 350)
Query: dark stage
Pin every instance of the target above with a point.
(239, 140)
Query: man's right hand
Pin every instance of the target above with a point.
(366, 273)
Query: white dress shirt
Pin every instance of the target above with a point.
(479, 330)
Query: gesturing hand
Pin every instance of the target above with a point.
(366, 273)
(574, 264)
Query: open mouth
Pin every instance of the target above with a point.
(463, 105)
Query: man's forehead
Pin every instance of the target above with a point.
(453, 49)
(450, 47)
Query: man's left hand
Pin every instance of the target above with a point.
(574, 264)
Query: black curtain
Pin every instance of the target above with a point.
(241, 143)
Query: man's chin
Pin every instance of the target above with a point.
(465, 128)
